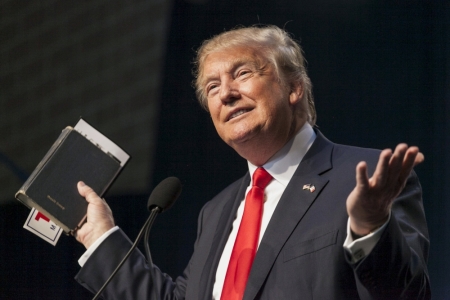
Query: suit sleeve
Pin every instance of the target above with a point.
(136, 279)
(396, 268)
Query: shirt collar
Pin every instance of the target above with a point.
(284, 163)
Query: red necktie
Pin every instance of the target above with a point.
(246, 243)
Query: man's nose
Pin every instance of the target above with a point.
(229, 93)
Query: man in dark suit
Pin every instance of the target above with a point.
(318, 233)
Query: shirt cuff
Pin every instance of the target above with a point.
(95, 245)
(362, 247)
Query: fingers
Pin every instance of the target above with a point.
(362, 178)
(412, 158)
(88, 193)
(394, 168)
(396, 162)
(420, 158)
(381, 172)
(97, 206)
(99, 216)
(369, 203)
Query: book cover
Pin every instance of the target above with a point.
(79, 154)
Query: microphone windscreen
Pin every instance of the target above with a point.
(165, 194)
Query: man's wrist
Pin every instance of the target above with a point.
(95, 245)
(92, 236)
(360, 247)
(361, 229)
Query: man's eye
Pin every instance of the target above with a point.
(211, 87)
(243, 72)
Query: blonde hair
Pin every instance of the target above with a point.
(276, 45)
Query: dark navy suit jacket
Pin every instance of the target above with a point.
(301, 255)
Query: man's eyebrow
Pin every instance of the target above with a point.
(238, 62)
(233, 65)
(257, 63)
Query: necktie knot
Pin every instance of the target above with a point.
(261, 178)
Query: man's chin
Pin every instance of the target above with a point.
(241, 141)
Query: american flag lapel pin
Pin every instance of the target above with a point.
(309, 187)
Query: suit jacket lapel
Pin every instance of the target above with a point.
(223, 230)
(293, 205)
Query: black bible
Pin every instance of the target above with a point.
(79, 154)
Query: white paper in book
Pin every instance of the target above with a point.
(101, 141)
(43, 227)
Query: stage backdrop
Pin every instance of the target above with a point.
(380, 71)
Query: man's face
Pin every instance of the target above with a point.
(246, 100)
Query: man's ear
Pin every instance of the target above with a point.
(296, 93)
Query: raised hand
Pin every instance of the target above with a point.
(369, 203)
(99, 217)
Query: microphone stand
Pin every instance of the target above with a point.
(154, 212)
(146, 243)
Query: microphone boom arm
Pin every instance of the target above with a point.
(154, 212)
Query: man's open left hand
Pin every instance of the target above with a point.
(369, 203)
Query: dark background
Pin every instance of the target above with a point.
(380, 71)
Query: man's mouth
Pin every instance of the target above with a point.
(238, 113)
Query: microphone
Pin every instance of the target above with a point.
(161, 199)
(165, 194)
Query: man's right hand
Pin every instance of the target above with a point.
(99, 217)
